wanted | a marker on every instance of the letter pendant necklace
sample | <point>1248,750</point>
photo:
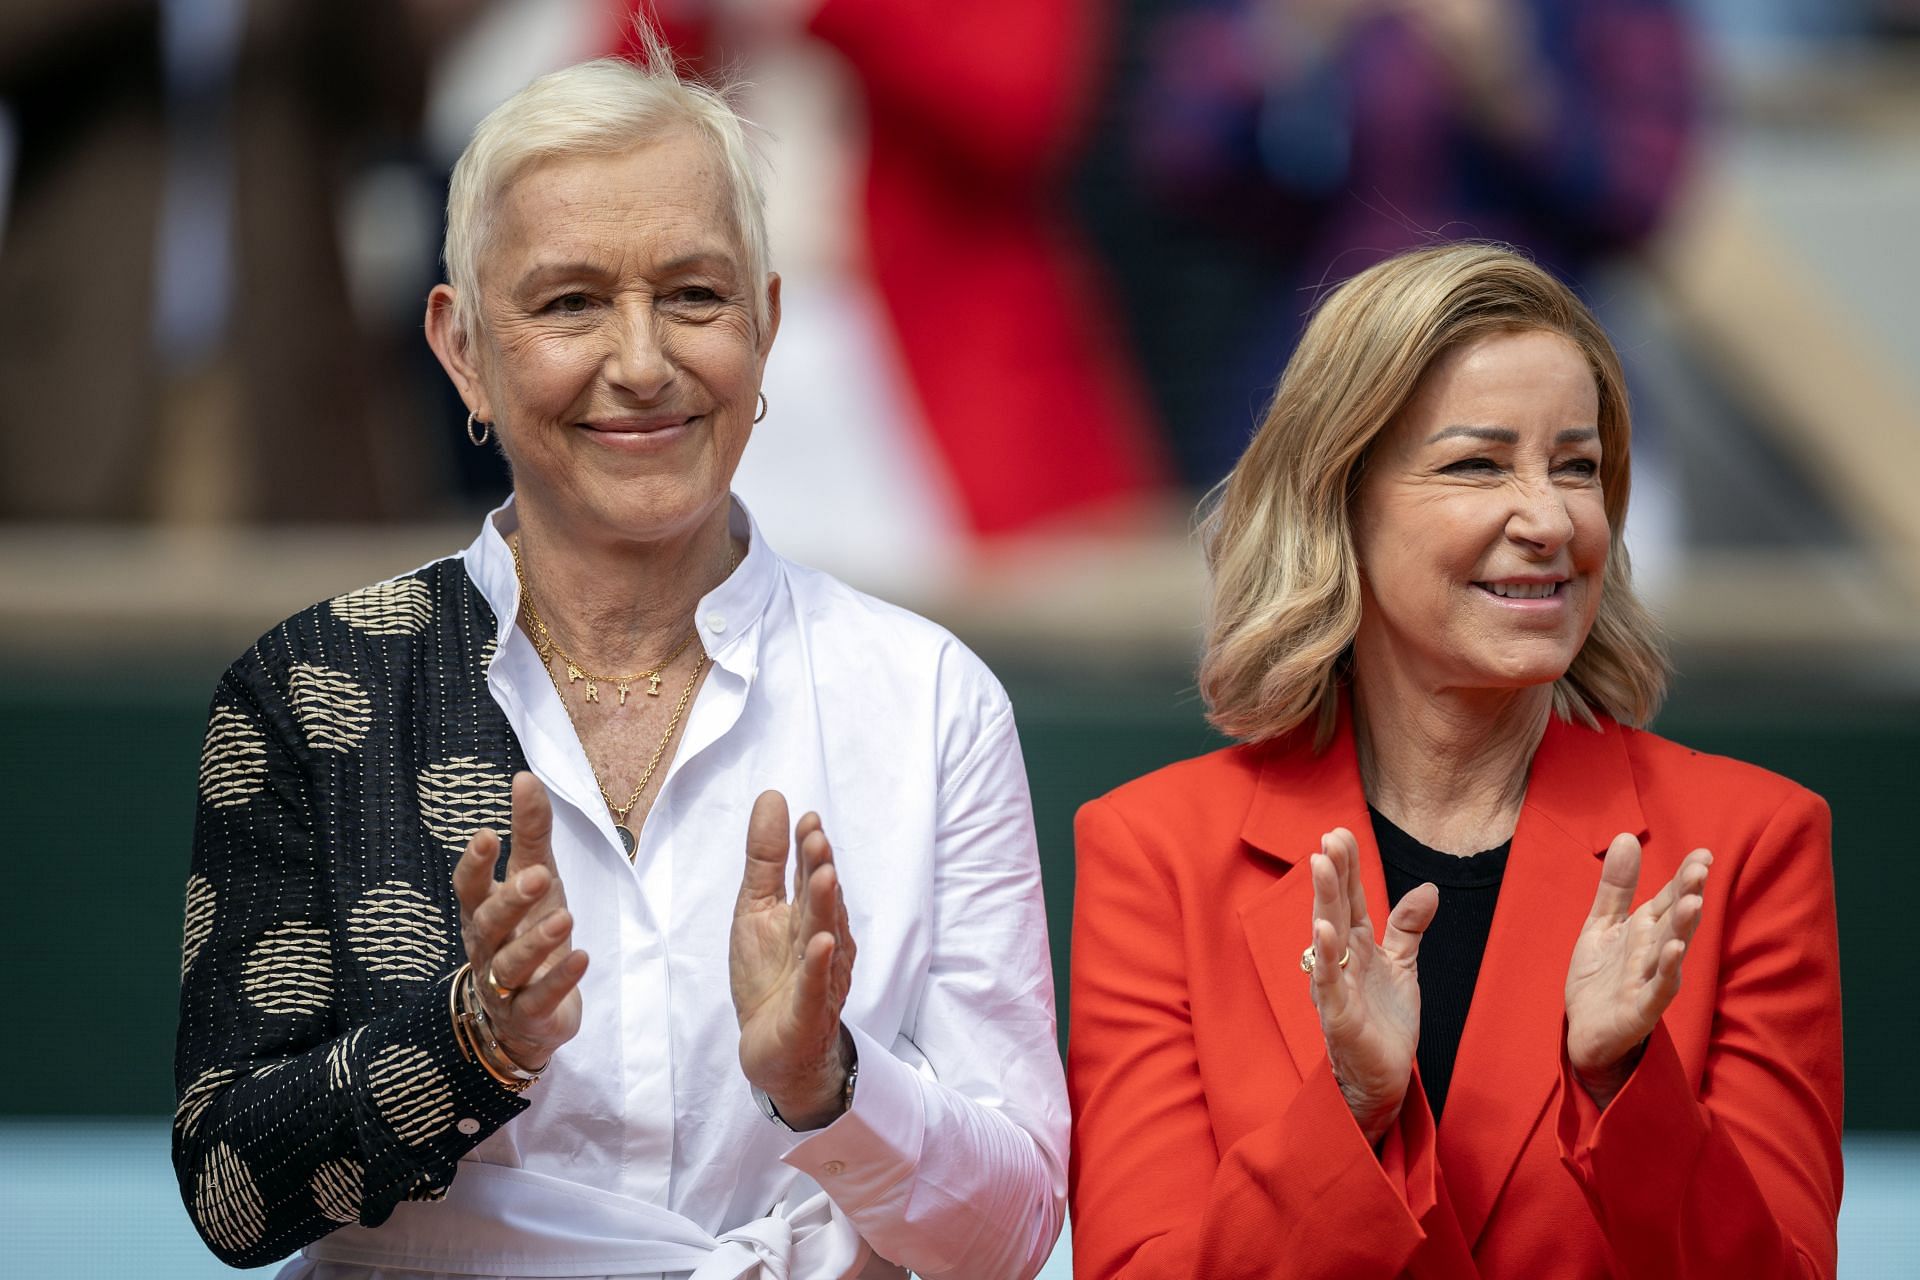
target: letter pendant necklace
<point>548,649</point>
<point>544,645</point>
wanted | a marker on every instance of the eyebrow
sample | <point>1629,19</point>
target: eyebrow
<point>542,272</point>
<point>1506,435</point>
<point>580,269</point>
<point>714,257</point>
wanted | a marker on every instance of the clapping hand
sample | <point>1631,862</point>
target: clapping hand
<point>1626,965</point>
<point>1368,995</point>
<point>519,933</point>
<point>791,965</point>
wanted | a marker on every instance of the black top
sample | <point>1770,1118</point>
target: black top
<point>1454,943</point>
<point>348,755</point>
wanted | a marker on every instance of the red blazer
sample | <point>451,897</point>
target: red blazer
<point>1211,1141</point>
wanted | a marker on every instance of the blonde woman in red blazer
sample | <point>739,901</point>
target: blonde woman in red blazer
<point>1423,626</point>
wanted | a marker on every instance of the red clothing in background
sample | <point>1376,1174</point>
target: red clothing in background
<point>973,113</point>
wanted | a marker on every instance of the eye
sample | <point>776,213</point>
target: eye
<point>570,303</point>
<point>695,299</point>
<point>1585,468</point>
<point>1471,466</point>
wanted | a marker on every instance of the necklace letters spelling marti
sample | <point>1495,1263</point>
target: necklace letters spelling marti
<point>548,650</point>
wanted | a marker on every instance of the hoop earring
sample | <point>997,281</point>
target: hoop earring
<point>481,436</point>
<point>763,407</point>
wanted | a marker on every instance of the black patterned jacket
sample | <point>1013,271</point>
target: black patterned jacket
<point>348,757</point>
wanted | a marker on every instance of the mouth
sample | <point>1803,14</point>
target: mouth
<point>649,426</point>
<point>641,436</point>
<point>1524,590</point>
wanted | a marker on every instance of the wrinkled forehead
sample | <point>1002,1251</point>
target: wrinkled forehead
<point>664,198</point>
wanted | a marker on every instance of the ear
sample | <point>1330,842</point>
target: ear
<point>454,349</point>
<point>772,325</point>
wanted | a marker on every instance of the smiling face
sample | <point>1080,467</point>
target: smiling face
<point>617,354</point>
<point>1479,522</point>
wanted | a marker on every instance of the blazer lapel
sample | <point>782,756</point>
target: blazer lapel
<point>1302,795</point>
<point>1580,795</point>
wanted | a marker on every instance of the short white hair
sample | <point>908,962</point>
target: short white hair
<point>604,107</point>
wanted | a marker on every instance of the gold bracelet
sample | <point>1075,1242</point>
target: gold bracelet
<point>473,1034</point>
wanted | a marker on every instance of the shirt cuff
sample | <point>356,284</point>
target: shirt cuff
<point>860,1156</point>
<point>422,1105</point>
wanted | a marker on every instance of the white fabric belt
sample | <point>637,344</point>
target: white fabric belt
<point>498,1221</point>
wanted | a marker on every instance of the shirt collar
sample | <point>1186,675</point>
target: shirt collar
<point>728,617</point>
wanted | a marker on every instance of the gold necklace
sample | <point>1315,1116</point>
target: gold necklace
<point>629,840</point>
<point>549,648</point>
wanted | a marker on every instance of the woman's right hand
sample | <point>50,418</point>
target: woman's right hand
<point>1369,1008</point>
<point>519,933</point>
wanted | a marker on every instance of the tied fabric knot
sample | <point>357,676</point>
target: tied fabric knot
<point>791,1243</point>
<point>761,1250</point>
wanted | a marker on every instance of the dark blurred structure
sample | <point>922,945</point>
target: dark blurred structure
<point>1292,143</point>
<point>178,339</point>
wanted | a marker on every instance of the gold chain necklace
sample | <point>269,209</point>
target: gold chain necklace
<point>629,840</point>
<point>548,649</point>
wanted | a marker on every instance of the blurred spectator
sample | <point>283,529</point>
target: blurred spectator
<point>81,80</point>
<point>177,336</point>
<point>949,371</point>
<point>1334,133</point>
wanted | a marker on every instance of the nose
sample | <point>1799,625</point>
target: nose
<point>1540,519</point>
<point>638,361</point>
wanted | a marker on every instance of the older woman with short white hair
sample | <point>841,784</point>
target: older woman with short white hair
<point>424,804</point>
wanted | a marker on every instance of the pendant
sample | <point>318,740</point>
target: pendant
<point>628,841</point>
<point>653,684</point>
<point>623,691</point>
<point>574,673</point>
<point>593,690</point>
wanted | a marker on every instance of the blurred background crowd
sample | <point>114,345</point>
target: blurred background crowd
<point>1043,260</point>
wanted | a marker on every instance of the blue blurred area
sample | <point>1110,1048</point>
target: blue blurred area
<point>86,1198</point>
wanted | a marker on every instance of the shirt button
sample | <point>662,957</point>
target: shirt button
<point>716,623</point>
<point>468,1126</point>
<point>833,1167</point>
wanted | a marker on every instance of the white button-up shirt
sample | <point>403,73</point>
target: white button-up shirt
<point>952,1160</point>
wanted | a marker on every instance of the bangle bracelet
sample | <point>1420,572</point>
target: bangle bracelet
<point>474,1036</point>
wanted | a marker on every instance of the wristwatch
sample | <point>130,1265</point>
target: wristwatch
<point>771,1112</point>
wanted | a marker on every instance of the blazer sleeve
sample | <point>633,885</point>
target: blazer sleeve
<point>1151,1193</point>
<point>1738,1173</point>
<point>293,1117</point>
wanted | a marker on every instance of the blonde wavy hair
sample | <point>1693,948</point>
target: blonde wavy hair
<point>1285,599</point>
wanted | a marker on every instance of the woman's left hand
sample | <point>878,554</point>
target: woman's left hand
<point>791,965</point>
<point>1626,965</point>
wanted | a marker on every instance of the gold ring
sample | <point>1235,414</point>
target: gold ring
<point>500,989</point>
<point>1307,959</point>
